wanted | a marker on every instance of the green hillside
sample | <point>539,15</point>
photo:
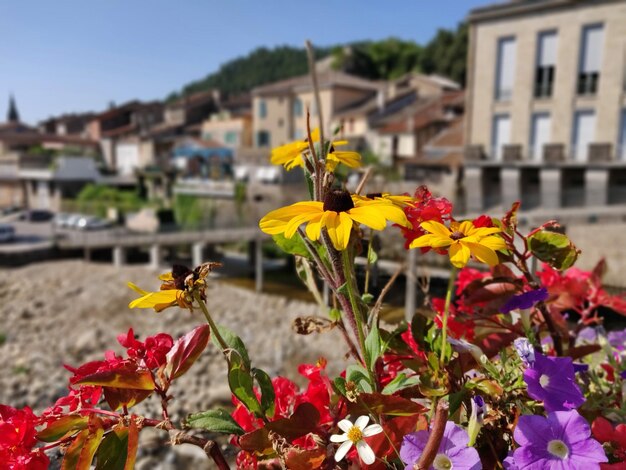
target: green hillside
<point>444,54</point>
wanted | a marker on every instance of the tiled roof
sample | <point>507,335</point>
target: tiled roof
<point>325,80</point>
<point>34,138</point>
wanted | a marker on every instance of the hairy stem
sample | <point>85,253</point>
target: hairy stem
<point>211,323</point>
<point>434,439</point>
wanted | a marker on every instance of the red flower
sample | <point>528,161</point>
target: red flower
<point>603,431</point>
<point>18,436</point>
<point>426,207</point>
<point>152,352</point>
<point>456,328</point>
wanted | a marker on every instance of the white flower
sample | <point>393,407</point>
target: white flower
<point>354,434</point>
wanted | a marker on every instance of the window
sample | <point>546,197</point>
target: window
<point>539,134</point>
<point>501,135</point>
<point>262,139</point>
<point>621,150</point>
<point>297,107</point>
<point>262,109</point>
<point>298,134</point>
<point>230,137</point>
<point>505,71</point>
<point>584,132</point>
<point>546,64</point>
<point>590,59</point>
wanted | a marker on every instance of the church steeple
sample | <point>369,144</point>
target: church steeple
<point>13,115</point>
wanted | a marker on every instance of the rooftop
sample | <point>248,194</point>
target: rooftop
<point>523,7</point>
<point>328,79</point>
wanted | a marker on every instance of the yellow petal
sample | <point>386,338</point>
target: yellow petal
<point>467,228</point>
<point>494,242</point>
<point>314,228</point>
<point>277,221</point>
<point>485,231</point>
<point>152,299</point>
<point>344,229</point>
<point>459,254</point>
<point>372,218</point>
<point>482,253</point>
<point>435,227</point>
<point>166,277</point>
<point>137,289</point>
<point>432,240</point>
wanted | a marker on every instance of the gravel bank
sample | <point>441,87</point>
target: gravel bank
<point>70,312</point>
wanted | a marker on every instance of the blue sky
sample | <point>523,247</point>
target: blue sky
<point>78,55</point>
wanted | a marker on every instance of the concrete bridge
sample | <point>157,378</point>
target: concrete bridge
<point>120,241</point>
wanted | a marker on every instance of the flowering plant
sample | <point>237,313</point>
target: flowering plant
<point>511,369</point>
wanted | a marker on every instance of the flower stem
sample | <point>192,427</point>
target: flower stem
<point>356,311</point>
<point>446,313</point>
<point>434,439</point>
<point>211,323</point>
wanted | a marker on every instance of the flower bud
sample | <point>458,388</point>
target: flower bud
<point>525,351</point>
<point>476,419</point>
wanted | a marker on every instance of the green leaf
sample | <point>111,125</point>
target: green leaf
<point>340,385</point>
<point>372,256</point>
<point>111,454</point>
<point>373,348</point>
<point>293,246</point>
<point>553,248</point>
<point>401,381</point>
<point>218,420</point>
<point>241,385</point>
<point>456,399</point>
<point>367,298</point>
<point>343,289</point>
<point>268,397</point>
<point>377,403</point>
<point>334,314</point>
<point>235,343</point>
<point>359,375</point>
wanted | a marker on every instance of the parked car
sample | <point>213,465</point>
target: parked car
<point>64,220</point>
<point>7,233</point>
<point>92,223</point>
<point>37,215</point>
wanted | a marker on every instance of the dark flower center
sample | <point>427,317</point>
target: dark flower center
<point>338,200</point>
<point>373,195</point>
<point>180,273</point>
<point>456,235</point>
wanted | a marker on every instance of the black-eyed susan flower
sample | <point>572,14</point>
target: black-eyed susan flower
<point>347,157</point>
<point>177,288</point>
<point>290,155</point>
<point>399,200</point>
<point>337,214</point>
<point>462,239</point>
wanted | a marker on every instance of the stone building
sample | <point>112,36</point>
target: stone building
<point>546,104</point>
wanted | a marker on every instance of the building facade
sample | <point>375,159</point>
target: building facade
<point>546,105</point>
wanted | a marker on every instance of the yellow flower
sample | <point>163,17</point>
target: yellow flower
<point>400,201</point>
<point>177,288</point>
<point>338,214</point>
<point>463,240</point>
<point>290,155</point>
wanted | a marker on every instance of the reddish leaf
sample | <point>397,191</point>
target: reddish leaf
<point>377,403</point>
<point>582,351</point>
<point>297,459</point>
<point>488,290</point>
<point>72,454</point>
<point>59,428</point>
<point>186,350</point>
<point>89,449</point>
<point>126,377</point>
<point>133,443</point>
<point>303,421</point>
<point>119,397</point>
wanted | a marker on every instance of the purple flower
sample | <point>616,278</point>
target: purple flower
<point>525,351</point>
<point>623,374</point>
<point>617,339</point>
<point>560,441</point>
<point>509,462</point>
<point>524,300</point>
<point>453,451</point>
<point>587,335</point>
<point>580,367</point>
<point>552,380</point>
